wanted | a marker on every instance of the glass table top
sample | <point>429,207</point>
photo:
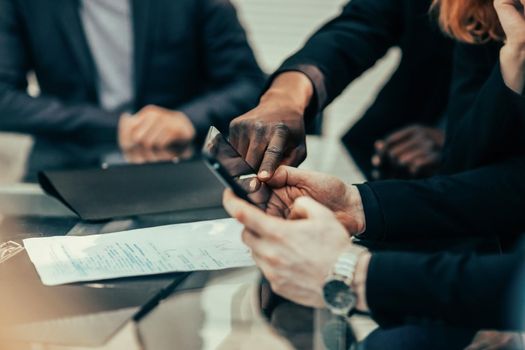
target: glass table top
<point>231,309</point>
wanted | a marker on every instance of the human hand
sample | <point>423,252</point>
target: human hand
<point>512,56</point>
<point>288,184</point>
<point>512,18</point>
<point>155,127</point>
<point>295,256</point>
<point>494,340</point>
<point>273,133</point>
<point>415,150</point>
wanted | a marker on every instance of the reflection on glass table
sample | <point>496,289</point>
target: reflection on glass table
<point>51,155</point>
<point>234,309</point>
<point>219,310</point>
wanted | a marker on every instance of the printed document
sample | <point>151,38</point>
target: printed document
<point>206,245</point>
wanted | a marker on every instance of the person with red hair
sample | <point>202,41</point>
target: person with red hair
<point>433,301</point>
<point>487,112</point>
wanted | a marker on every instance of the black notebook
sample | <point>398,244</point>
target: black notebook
<point>135,190</point>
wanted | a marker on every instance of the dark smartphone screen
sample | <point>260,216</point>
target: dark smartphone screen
<point>229,166</point>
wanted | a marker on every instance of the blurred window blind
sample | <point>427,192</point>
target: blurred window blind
<point>279,27</point>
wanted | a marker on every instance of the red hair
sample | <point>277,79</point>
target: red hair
<point>471,21</point>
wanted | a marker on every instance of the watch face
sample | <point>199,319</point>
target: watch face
<point>339,296</point>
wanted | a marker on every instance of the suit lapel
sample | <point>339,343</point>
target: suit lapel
<point>70,23</point>
<point>141,10</point>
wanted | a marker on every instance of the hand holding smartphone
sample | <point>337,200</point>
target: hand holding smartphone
<point>233,171</point>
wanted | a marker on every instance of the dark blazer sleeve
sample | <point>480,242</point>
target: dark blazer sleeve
<point>463,290</point>
<point>237,80</point>
<point>486,118</point>
<point>43,115</point>
<point>481,202</point>
<point>348,45</point>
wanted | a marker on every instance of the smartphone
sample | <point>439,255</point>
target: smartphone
<point>233,171</point>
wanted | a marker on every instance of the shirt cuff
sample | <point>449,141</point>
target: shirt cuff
<point>375,222</point>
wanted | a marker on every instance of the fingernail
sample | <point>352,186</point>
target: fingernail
<point>253,185</point>
<point>379,145</point>
<point>376,160</point>
<point>264,174</point>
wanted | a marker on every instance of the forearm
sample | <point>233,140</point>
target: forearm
<point>512,61</point>
<point>462,290</point>
<point>447,206</point>
<point>348,45</point>
<point>293,89</point>
<point>45,116</point>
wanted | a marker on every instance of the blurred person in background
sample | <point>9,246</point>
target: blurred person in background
<point>146,73</point>
<point>402,134</point>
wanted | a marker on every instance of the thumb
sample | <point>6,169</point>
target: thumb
<point>308,208</point>
<point>287,176</point>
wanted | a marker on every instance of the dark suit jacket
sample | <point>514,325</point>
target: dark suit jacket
<point>464,290</point>
<point>353,42</point>
<point>190,55</point>
<point>487,121</point>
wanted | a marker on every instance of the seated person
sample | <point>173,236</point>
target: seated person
<point>155,73</point>
<point>401,135</point>
<point>414,151</point>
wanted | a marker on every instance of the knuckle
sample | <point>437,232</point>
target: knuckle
<point>150,108</point>
<point>278,284</point>
<point>149,143</point>
<point>241,216</point>
<point>273,259</point>
<point>235,124</point>
<point>274,151</point>
<point>245,237</point>
<point>259,128</point>
<point>271,276</point>
<point>281,129</point>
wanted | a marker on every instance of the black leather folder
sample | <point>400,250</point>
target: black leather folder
<point>135,190</point>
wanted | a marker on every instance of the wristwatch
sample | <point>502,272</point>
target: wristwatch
<point>338,295</point>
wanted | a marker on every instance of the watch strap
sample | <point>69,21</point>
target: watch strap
<point>346,265</point>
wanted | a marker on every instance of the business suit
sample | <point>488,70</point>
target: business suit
<point>190,55</point>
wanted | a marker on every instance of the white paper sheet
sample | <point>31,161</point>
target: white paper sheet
<point>206,245</point>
